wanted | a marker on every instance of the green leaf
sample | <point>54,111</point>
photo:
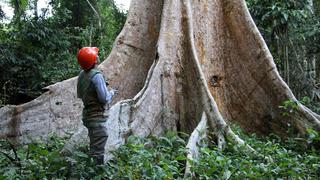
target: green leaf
<point>81,154</point>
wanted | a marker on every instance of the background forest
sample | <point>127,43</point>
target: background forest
<point>39,48</point>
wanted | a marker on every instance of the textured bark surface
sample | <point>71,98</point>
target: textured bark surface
<point>175,62</point>
<point>58,110</point>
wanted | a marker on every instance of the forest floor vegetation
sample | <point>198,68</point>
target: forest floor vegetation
<point>165,158</point>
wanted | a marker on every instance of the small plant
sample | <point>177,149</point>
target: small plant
<point>289,107</point>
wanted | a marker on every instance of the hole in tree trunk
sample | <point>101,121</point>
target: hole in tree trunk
<point>215,81</point>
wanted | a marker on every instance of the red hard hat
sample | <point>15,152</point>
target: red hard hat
<point>87,57</point>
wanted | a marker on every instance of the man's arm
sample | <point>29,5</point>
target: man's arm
<point>104,96</point>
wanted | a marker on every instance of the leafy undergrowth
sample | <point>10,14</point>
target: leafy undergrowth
<point>165,158</point>
<point>277,159</point>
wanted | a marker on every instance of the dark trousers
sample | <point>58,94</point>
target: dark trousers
<point>98,137</point>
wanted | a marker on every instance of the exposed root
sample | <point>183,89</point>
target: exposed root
<point>311,117</point>
<point>80,137</point>
<point>140,96</point>
<point>234,139</point>
<point>194,142</point>
<point>221,141</point>
<point>200,133</point>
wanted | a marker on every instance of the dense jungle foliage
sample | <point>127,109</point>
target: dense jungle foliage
<point>165,158</point>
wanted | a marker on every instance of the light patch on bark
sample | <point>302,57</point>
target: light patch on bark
<point>196,139</point>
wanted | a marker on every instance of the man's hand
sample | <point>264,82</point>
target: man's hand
<point>107,83</point>
<point>114,91</point>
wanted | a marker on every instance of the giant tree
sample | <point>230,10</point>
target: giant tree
<point>181,65</point>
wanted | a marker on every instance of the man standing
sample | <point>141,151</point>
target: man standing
<point>92,90</point>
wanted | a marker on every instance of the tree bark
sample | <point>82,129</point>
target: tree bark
<point>316,11</point>
<point>174,63</point>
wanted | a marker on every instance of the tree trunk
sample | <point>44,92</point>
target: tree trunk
<point>176,62</point>
<point>316,11</point>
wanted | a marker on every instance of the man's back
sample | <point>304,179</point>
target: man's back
<point>93,96</point>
